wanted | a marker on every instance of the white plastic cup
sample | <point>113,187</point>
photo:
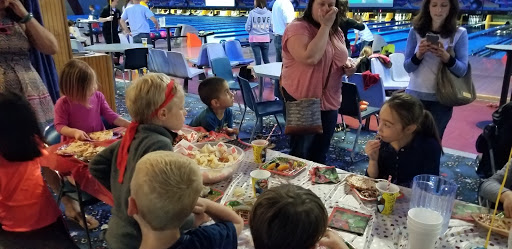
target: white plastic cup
<point>424,227</point>
<point>144,42</point>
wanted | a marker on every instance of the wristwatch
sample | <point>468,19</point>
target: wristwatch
<point>27,18</point>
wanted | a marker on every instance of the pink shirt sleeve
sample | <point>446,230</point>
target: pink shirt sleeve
<point>61,112</point>
<point>105,110</point>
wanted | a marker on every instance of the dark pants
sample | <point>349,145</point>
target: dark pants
<point>315,147</point>
<point>279,47</point>
<point>55,235</point>
<point>112,38</point>
<point>441,113</point>
<point>138,38</point>
<point>260,50</point>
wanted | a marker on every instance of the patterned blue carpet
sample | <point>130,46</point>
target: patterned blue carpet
<point>459,168</point>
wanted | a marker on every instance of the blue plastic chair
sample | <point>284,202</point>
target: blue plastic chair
<point>375,95</point>
<point>180,68</point>
<point>222,68</point>
<point>261,109</point>
<point>202,59</point>
<point>234,52</point>
<point>215,50</point>
<point>161,61</point>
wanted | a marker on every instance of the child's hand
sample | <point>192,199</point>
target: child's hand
<point>80,135</point>
<point>200,217</point>
<point>231,131</point>
<point>372,149</point>
<point>332,240</point>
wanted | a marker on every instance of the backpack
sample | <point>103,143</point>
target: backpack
<point>496,138</point>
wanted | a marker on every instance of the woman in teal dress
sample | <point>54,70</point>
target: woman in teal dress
<point>18,32</point>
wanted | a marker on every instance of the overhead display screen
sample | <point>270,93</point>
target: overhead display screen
<point>370,3</point>
<point>220,3</point>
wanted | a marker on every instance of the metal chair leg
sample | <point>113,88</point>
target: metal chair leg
<point>243,116</point>
<point>185,85</point>
<point>82,211</point>
<point>278,124</point>
<point>254,128</point>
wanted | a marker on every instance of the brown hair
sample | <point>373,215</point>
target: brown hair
<point>260,3</point>
<point>410,111</point>
<point>287,216</point>
<point>76,79</point>
<point>367,51</point>
<point>343,9</point>
<point>308,16</point>
<point>210,89</point>
<point>146,94</point>
<point>422,23</point>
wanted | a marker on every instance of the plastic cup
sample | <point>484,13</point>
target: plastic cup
<point>434,193</point>
<point>259,181</point>
<point>387,197</point>
<point>259,150</point>
<point>144,42</point>
<point>423,226</point>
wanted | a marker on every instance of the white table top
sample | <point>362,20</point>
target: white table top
<point>500,47</point>
<point>382,232</point>
<point>116,47</point>
<point>269,70</point>
<point>87,21</point>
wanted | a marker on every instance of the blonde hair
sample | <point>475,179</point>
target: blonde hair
<point>147,93</point>
<point>165,186</point>
<point>76,79</point>
<point>367,51</point>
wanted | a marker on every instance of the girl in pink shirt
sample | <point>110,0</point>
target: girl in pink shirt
<point>314,60</point>
<point>29,216</point>
<point>80,109</point>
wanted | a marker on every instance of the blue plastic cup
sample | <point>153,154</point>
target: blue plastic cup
<point>435,193</point>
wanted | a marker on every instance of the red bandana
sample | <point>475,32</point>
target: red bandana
<point>122,156</point>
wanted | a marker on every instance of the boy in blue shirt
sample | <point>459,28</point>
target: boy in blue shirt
<point>218,117</point>
<point>165,191</point>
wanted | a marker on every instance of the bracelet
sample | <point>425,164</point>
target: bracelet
<point>27,18</point>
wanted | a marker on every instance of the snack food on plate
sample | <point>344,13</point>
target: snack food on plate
<point>500,226</point>
<point>242,208</point>
<point>101,135</point>
<point>82,150</point>
<point>189,135</point>
<point>364,186</point>
<point>283,166</point>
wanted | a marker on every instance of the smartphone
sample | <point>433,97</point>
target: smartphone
<point>432,38</point>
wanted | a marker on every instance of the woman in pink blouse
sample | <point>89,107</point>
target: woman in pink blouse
<point>314,60</point>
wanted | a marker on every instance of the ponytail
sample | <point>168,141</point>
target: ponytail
<point>428,128</point>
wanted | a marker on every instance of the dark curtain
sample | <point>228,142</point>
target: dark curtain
<point>43,64</point>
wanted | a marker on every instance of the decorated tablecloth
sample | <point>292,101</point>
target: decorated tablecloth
<point>382,232</point>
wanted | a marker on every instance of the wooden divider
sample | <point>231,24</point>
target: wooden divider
<point>54,18</point>
<point>102,65</point>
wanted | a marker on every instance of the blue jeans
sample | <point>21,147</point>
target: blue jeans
<point>138,38</point>
<point>315,147</point>
<point>441,113</point>
<point>279,47</point>
<point>260,49</point>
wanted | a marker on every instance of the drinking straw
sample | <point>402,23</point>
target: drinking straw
<point>389,182</point>
<point>507,166</point>
<point>272,131</point>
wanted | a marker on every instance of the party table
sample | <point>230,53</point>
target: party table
<point>382,232</point>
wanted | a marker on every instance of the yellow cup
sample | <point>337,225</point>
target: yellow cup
<point>259,150</point>
<point>387,197</point>
<point>144,42</point>
<point>259,181</point>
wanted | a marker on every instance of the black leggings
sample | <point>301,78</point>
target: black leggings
<point>53,236</point>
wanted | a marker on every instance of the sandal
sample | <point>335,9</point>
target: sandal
<point>92,223</point>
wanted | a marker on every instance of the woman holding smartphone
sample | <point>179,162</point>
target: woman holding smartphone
<point>426,48</point>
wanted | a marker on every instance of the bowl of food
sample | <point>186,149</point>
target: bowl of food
<point>217,161</point>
